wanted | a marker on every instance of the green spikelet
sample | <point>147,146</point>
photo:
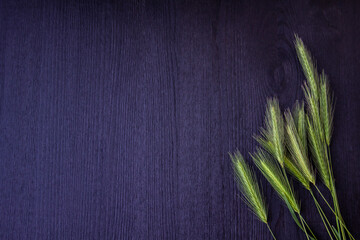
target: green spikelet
<point>318,151</point>
<point>313,111</point>
<point>308,66</point>
<point>297,149</point>
<point>300,121</point>
<point>326,107</point>
<point>272,136</point>
<point>294,170</point>
<point>272,172</point>
<point>249,187</point>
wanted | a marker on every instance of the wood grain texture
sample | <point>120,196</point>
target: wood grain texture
<point>116,119</point>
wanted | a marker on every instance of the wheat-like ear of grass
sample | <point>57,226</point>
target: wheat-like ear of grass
<point>300,122</point>
<point>272,136</point>
<point>297,149</point>
<point>273,174</point>
<point>313,108</point>
<point>249,187</point>
<point>326,107</point>
<point>319,153</point>
<point>289,165</point>
<point>308,66</point>
<point>294,170</point>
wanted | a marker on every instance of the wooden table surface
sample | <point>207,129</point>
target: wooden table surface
<point>116,119</point>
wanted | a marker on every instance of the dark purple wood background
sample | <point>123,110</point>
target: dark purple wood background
<point>116,119</point>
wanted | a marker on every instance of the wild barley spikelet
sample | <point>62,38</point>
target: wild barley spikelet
<point>249,187</point>
<point>308,66</point>
<point>318,151</point>
<point>272,136</point>
<point>273,174</point>
<point>326,107</point>
<point>294,170</point>
<point>300,122</point>
<point>297,150</point>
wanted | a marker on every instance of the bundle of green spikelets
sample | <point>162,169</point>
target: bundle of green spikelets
<point>291,143</point>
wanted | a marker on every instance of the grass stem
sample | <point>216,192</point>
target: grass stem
<point>334,196</point>
<point>332,210</point>
<point>322,215</point>
<point>302,222</point>
<point>313,235</point>
<point>272,234</point>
